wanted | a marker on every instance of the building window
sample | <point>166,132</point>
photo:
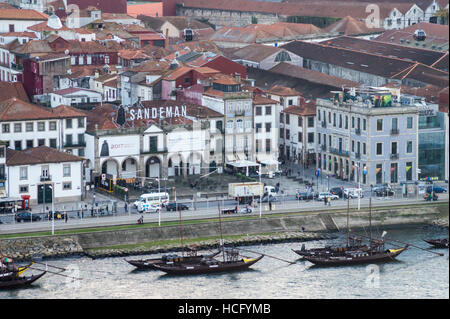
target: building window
<point>68,123</point>
<point>17,127</point>
<point>153,144</point>
<point>300,121</point>
<point>24,173</point>
<point>409,171</point>
<point>394,123</point>
<point>288,136</point>
<point>258,127</point>
<point>23,189</point>
<point>379,148</point>
<point>52,126</point>
<point>267,145</point>
<point>310,121</point>
<point>379,125</point>
<point>409,147</point>
<point>18,145</point>
<point>53,142</point>
<point>67,186</point>
<point>30,144</point>
<point>268,127</point>
<point>340,120</point>
<point>81,152</point>
<point>409,122</point>
<point>66,170</point>
<point>353,122</point>
<point>300,137</point>
<point>379,173</point>
<point>364,124</point>
<point>394,148</point>
<point>29,127</point>
<point>394,173</point>
<point>41,142</point>
<point>69,140</point>
<point>310,137</point>
<point>41,126</point>
<point>287,118</point>
<point>258,110</point>
<point>5,128</point>
<point>364,148</point>
<point>268,110</point>
<point>282,56</point>
<point>346,122</point>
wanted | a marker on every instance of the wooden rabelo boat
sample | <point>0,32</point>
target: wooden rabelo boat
<point>12,270</point>
<point>149,264</point>
<point>356,245</point>
<point>375,253</point>
<point>438,243</point>
<point>232,262</point>
<point>19,282</point>
<point>355,257</point>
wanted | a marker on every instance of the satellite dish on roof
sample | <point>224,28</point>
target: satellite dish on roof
<point>420,35</point>
<point>66,52</point>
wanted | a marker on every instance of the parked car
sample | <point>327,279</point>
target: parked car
<point>26,217</point>
<point>323,195</point>
<point>305,195</point>
<point>175,206</point>
<point>383,190</point>
<point>58,215</point>
<point>337,191</point>
<point>436,189</point>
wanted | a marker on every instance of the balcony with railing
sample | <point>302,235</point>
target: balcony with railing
<point>324,124</point>
<point>358,155</point>
<point>358,131</point>
<point>340,152</point>
<point>75,144</point>
<point>17,67</point>
<point>324,148</point>
<point>46,178</point>
<point>395,131</point>
<point>394,156</point>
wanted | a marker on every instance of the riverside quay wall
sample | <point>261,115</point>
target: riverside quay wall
<point>315,225</point>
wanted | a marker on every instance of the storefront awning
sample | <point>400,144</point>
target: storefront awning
<point>243,163</point>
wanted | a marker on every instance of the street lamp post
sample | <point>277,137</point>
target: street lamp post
<point>260,197</point>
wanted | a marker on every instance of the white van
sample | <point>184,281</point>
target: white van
<point>151,202</point>
<point>353,192</point>
<point>270,190</point>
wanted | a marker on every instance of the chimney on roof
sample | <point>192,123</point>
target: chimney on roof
<point>166,41</point>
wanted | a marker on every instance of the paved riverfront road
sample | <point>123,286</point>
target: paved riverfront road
<point>201,213</point>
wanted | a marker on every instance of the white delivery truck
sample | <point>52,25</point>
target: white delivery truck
<point>245,193</point>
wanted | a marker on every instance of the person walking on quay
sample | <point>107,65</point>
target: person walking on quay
<point>329,201</point>
<point>270,205</point>
<point>66,217</point>
<point>325,201</point>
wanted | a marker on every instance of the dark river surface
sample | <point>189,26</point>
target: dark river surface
<point>415,274</point>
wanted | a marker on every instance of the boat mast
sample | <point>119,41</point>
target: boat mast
<point>221,235</point>
<point>348,214</point>
<point>370,216</point>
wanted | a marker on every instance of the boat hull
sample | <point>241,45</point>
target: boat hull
<point>20,282</point>
<point>149,264</point>
<point>438,243</point>
<point>357,259</point>
<point>200,268</point>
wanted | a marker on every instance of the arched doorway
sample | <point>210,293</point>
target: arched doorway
<point>194,164</point>
<point>111,167</point>
<point>153,167</point>
<point>129,168</point>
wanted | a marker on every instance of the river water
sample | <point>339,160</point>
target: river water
<point>415,274</point>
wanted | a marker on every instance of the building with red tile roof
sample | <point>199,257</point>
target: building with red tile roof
<point>108,6</point>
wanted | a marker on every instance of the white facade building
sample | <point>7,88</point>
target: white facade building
<point>30,171</point>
